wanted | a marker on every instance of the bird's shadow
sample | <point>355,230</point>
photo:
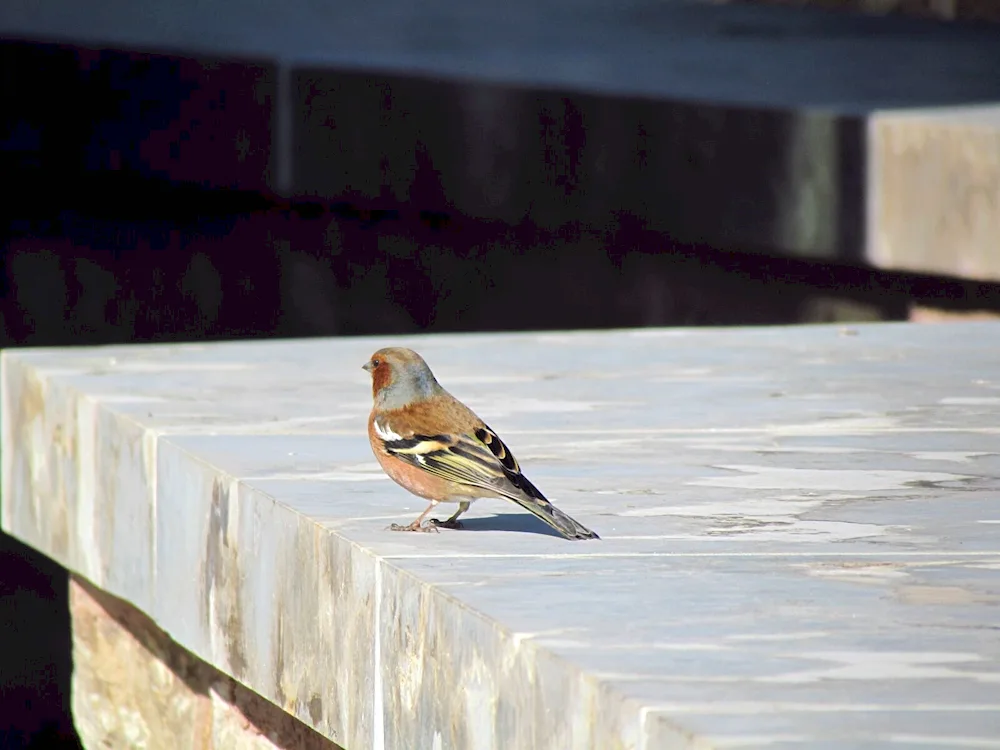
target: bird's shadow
<point>519,522</point>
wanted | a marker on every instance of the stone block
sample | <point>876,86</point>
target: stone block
<point>738,126</point>
<point>135,687</point>
<point>935,191</point>
<point>797,524</point>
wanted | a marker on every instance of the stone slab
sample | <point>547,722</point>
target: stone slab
<point>799,532</point>
<point>935,191</point>
<point>744,54</point>
<point>737,126</point>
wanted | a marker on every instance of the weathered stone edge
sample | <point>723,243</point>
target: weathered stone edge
<point>355,647</point>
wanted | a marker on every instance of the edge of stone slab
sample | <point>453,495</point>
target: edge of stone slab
<point>933,188</point>
<point>242,631</point>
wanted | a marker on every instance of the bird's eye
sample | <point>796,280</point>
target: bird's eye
<point>376,362</point>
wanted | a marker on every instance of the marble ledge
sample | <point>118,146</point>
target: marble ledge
<point>799,532</point>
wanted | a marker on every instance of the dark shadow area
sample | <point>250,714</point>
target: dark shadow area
<point>73,113</point>
<point>714,175</point>
<point>35,661</point>
<point>306,270</point>
<point>522,523</point>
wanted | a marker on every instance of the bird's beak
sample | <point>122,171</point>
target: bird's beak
<point>367,366</point>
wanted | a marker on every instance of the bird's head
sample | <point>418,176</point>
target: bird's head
<point>400,377</point>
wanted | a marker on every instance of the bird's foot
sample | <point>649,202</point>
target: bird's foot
<point>414,527</point>
<point>448,524</point>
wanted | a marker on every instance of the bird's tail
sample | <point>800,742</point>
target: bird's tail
<point>566,525</point>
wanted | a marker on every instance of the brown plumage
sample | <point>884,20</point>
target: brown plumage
<point>433,445</point>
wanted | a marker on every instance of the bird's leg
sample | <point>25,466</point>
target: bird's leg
<point>453,522</point>
<point>416,525</point>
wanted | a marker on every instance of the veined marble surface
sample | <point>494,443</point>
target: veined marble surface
<point>801,532</point>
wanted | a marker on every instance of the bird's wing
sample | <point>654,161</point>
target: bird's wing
<point>479,459</point>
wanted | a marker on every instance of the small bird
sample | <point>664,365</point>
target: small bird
<point>433,445</point>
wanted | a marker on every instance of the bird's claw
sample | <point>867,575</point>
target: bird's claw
<point>449,524</point>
